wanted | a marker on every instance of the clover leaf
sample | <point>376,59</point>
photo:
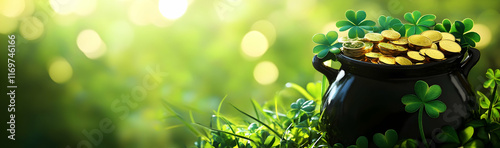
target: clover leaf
<point>418,24</point>
<point>493,77</point>
<point>327,43</point>
<point>444,26</point>
<point>386,141</point>
<point>425,99</point>
<point>389,22</point>
<point>460,29</point>
<point>484,103</point>
<point>409,143</point>
<point>301,107</point>
<point>356,24</point>
<point>361,142</point>
<point>449,136</point>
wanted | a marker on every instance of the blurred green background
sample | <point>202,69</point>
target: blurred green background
<point>79,63</point>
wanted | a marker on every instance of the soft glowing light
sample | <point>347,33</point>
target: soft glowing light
<point>485,34</point>
<point>254,44</point>
<point>265,73</point>
<point>172,9</point>
<point>333,27</point>
<point>64,7</point>
<point>85,7</point>
<point>266,28</point>
<point>31,28</point>
<point>60,70</point>
<point>8,24</point>
<point>90,44</point>
<point>12,8</point>
<point>140,11</point>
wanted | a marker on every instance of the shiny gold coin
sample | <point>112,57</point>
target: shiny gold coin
<point>422,51</point>
<point>387,48</point>
<point>434,46</point>
<point>401,41</point>
<point>419,63</point>
<point>420,40</point>
<point>390,35</point>
<point>401,48</point>
<point>434,54</point>
<point>387,60</point>
<point>415,56</point>
<point>447,36</point>
<point>344,39</point>
<point>373,55</point>
<point>433,35</point>
<point>374,37</point>
<point>449,46</point>
<point>403,61</point>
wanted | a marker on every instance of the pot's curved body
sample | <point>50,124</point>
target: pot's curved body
<point>364,98</point>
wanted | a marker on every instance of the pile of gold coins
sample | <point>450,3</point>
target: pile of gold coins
<point>388,47</point>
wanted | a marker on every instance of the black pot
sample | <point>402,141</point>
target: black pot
<point>365,98</point>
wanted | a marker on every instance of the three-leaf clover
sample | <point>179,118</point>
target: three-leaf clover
<point>451,139</point>
<point>356,24</point>
<point>460,30</point>
<point>389,22</point>
<point>493,77</point>
<point>484,103</point>
<point>418,24</point>
<point>327,43</point>
<point>300,107</point>
<point>425,99</point>
<point>444,26</point>
<point>386,141</point>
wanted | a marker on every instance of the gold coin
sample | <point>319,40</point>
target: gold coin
<point>387,60</point>
<point>433,35</point>
<point>400,41</point>
<point>434,46</point>
<point>447,36</point>
<point>373,55</point>
<point>419,63</point>
<point>387,48</point>
<point>449,46</point>
<point>422,51</point>
<point>420,40</point>
<point>391,34</point>
<point>400,48</point>
<point>344,39</point>
<point>403,61</point>
<point>374,37</point>
<point>434,54</point>
<point>415,55</point>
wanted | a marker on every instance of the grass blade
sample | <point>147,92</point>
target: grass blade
<point>276,133</point>
<point>218,111</point>
<point>190,127</point>
<point>300,90</point>
<point>254,104</point>
<point>173,126</point>
<point>236,135</point>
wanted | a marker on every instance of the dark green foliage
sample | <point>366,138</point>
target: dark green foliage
<point>327,43</point>
<point>356,24</point>
<point>461,31</point>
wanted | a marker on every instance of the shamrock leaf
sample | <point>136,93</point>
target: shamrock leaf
<point>327,43</point>
<point>424,99</point>
<point>466,134</point>
<point>418,24</point>
<point>484,103</point>
<point>386,141</point>
<point>361,142</point>
<point>389,22</point>
<point>493,77</point>
<point>448,135</point>
<point>460,29</point>
<point>356,24</point>
<point>301,107</point>
<point>445,26</point>
<point>409,143</point>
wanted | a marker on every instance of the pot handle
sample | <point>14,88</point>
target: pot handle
<point>329,72</point>
<point>470,61</point>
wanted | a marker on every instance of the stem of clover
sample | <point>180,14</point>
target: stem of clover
<point>492,101</point>
<point>421,126</point>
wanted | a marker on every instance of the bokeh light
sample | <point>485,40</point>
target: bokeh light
<point>265,73</point>
<point>90,43</point>
<point>12,8</point>
<point>172,9</point>
<point>267,28</point>
<point>485,34</point>
<point>254,44</point>
<point>31,28</point>
<point>64,7</point>
<point>60,70</point>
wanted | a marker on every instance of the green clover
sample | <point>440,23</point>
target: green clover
<point>444,26</point>
<point>301,107</point>
<point>356,24</point>
<point>418,24</point>
<point>327,43</point>
<point>389,22</point>
<point>493,77</point>
<point>460,30</point>
<point>386,141</point>
<point>425,99</point>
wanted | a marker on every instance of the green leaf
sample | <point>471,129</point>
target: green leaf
<point>322,54</point>
<point>435,107</point>
<point>335,50</point>
<point>356,32</point>
<point>338,145</point>
<point>320,38</point>
<point>433,93</point>
<point>367,23</point>
<point>351,16</point>
<point>421,88</point>
<point>427,20</point>
<point>474,144</point>
<point>331,37</point>
<point>445,26</point>
<point>458,27</point>
<point>497,73</point>
<point>473,36</point>
<point>386,141</point>
<point>489,83</point>
<point>409,143</point>
<point>344,25</point>
<point>466,134</point>
<point>448,135</point>
<point>412,17</point>
<point>412,102</point>
<point>484,102</point>
<point>490,74</point>
<point>495,113</point>
<point>468,24</point>
<point>319,48</point>
<point>362,142</point>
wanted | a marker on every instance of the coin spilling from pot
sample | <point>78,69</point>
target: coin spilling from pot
<point>388,47</point>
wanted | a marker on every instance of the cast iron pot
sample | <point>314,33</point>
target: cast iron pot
<point>365,98</point>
